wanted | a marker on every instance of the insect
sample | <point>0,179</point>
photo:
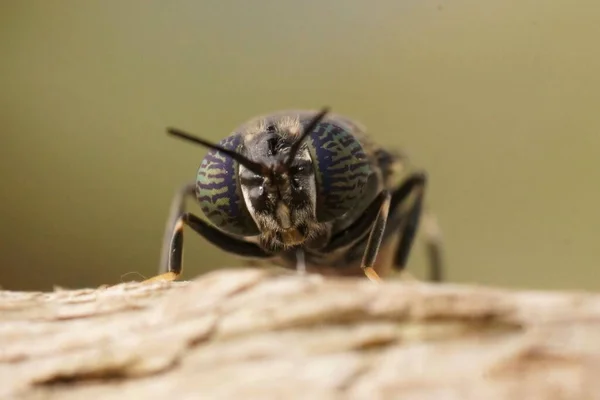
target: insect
<point>305,190</point>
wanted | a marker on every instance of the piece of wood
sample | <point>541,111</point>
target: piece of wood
<point>258,334</point>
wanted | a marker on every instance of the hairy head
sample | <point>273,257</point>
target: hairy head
<point>275,182</point>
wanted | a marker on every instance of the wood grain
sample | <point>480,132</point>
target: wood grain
<point>248,333</point>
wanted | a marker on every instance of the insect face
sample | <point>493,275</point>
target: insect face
<point>261,183</point>
<point>282,203</point>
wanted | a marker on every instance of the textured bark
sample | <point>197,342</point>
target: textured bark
<point>263,334</point>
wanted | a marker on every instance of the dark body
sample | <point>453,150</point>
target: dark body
<point>346,202</point>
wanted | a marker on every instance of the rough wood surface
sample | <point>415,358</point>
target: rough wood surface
<point>256,334</point>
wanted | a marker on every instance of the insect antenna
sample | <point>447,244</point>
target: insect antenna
<point>253,166</point>
<point>307,131</point>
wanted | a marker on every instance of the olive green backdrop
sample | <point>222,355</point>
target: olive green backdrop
<point>498,100</point>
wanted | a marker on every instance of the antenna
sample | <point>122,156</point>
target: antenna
<point>253,166</point>
<point>257,168</point>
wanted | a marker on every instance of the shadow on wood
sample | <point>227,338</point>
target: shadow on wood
<point>262,334</point>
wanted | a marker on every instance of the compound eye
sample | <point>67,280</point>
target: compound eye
<point>342,170</point>
<point>219,193</point>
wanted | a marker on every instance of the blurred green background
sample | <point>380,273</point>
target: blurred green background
<point>497,100</point>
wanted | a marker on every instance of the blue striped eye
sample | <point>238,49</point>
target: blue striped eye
<point>342,170</point>
<point>219,192</point>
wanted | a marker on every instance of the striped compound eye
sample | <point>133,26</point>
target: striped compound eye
<point>342,170</point>
<point>219,192</point>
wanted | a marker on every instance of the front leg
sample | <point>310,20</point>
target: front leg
<point>172,252</point>
<point>176,211</point>
<point>372,220</point>
<point>375,238</point>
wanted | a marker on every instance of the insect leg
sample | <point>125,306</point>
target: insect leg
<point>415,186</point>
<point>435,246</point>
<point>172,246</point>
<point>375,238</point>
<point>355,231</point>
<point>375,217</point>
<point>172,252</point>
<point>223,241</point>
